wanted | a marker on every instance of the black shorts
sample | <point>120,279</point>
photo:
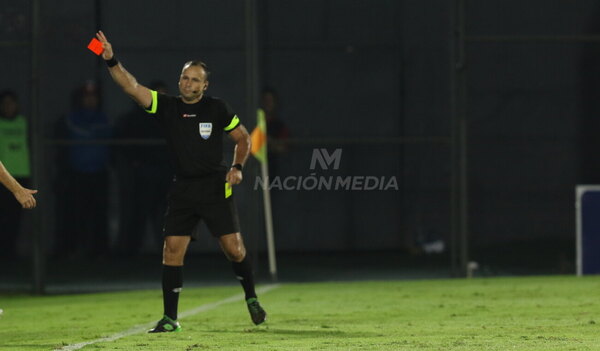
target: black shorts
<point>209,199</point>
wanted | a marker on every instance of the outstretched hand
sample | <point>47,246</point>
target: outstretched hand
<point>107,54</point>
<point>25,197</point>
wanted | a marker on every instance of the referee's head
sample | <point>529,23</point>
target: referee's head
<point>193,81</point>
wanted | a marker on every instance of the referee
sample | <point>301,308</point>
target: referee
<point>193,125</point>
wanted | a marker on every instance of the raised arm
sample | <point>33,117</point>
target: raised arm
<point>124,79</point>
<point>23,195</point>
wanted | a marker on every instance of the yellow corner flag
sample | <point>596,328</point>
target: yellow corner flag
<point>259,137</point>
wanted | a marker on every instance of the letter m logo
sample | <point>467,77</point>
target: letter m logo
<point>325,160</point>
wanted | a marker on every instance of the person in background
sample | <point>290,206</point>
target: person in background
<point>144,178</point>
<point>83,184</point>
<point>14,153</point>
<point>277,131</point>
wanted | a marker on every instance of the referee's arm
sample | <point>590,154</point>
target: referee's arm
<point>124,79</point>
<point>240,153</point>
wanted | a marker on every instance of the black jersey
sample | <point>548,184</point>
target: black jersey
<point>194,132</point>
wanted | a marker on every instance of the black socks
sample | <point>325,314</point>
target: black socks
<point>243,272</point>
<point>172,282</point>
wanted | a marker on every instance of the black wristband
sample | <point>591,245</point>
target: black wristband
<point>112,62</point>
<point>238,166</point>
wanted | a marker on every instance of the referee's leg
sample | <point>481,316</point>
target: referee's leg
<point>233,247</point>
<point>174,251</point>
<point>235,251</point>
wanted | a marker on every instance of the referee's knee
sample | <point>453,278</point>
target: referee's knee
<point>173,256</point>
<point>236,255</point>
<point>172,260</point>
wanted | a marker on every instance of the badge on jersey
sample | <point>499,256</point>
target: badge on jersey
<point>205,130</point>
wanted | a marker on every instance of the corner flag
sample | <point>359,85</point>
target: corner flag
<point>259,137</point>
<point>259,150</point>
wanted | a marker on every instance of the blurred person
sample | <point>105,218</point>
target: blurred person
<point>144,178</point>
<point>83,183</point>
<point>14,153</point>
<point>194,124</point>
<point>277,131</point>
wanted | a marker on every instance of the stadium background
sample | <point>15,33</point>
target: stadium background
<point>377,79</point>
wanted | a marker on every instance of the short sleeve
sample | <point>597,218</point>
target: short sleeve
<point>230,118</point>
<point>161,105</point>
<point>154,105</point>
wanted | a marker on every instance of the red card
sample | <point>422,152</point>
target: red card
<point>96,46</point>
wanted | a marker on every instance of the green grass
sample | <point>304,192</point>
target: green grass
<point>542,313</point>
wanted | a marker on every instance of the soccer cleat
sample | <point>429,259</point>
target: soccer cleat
<point>257,313</point>
<point>166,325</point>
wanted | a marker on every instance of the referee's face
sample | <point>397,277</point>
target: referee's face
<point>192,83</point>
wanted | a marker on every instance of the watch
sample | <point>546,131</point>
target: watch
<point>238,166</point>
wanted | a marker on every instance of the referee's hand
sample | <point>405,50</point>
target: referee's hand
<point>234,176</point>
<point>107,54</point>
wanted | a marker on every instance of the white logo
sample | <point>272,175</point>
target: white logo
<point>325,160</point>
<point>205,130</point>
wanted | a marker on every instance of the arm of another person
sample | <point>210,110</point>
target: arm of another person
<point>23,195</point>
<point>240,153</point>
<point>124,79</point>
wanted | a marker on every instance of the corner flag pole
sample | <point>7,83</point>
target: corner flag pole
<point>264,167</point>
<point>259,134</point>
<point>259,150</point>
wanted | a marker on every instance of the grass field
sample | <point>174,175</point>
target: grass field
<point>539,313</point>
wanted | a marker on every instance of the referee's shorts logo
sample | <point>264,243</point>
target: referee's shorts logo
<point>205,130</point>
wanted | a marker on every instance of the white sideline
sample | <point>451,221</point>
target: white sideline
<point>144,327</point>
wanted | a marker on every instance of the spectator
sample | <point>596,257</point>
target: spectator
<point>144,178</point>
<point>83,185</point>
<point>277,132</point>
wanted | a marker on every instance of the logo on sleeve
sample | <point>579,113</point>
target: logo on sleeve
<point>205,130</point>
